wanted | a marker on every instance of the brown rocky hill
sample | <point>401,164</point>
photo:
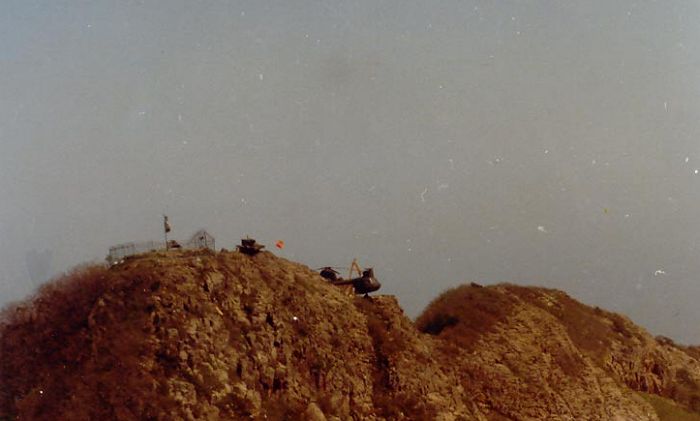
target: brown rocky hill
<point>197,335</point>
<point>538,331</point>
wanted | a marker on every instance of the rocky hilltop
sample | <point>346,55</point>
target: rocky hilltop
<point>198,335</point>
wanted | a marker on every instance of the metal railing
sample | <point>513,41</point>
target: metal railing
<point>201,239</point>
<point>120,251</point>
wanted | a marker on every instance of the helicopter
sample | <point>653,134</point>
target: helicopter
<point>363,284</point>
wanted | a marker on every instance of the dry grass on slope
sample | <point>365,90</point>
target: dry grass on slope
<point>186,335</point>
<point>33,334</point>
<point>667,410</point>
<point>463,314</point>
<point>611,341</point>
<point>592,329</point>
<point>646,364</point>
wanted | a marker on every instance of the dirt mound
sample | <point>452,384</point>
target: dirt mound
<point>189,335</point>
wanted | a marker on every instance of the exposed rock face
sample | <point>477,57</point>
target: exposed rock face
<point>557,355</point>
<point>194,335</point>
<point>226,336</point>
<point>522,364</point>
<point>411,378</point>
<point>626,351</point>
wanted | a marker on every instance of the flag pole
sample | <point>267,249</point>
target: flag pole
<point>166,229</point>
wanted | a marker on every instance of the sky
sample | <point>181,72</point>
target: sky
<point>550,143</point>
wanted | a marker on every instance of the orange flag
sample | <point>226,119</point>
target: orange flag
<point>279,244</point>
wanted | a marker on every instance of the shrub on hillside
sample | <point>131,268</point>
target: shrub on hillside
<point>34,335</point>
<point>464,313</point>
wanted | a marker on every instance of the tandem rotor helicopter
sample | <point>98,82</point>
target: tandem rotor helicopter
<point>363,284</point>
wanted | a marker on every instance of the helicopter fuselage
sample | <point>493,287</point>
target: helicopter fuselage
<point>362,285</point>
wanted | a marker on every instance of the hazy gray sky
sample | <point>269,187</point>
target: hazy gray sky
<point>537,142</point>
